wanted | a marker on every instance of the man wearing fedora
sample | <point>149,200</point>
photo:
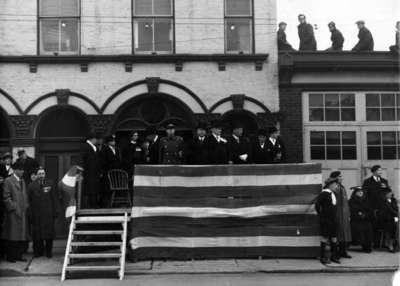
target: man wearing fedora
<point>171,147</point>
<point>216,145</point>
<point>259,149</point>
<point>239,147</point>
<point>197,153</point>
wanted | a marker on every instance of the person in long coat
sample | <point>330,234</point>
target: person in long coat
<point>29,164</point>
<point>388,216</point>
<point>343,215</point>
<point>337,38</point>
<point>216,145</point>
<point>239,146</point>
<point>259,149</point>
<point>15,224</point>
<point>275,147</point>
<point>283,44</point>
<point>365,39</point>
<point>197,153</point>
<point>154,146</point>
<point>306,35</point>
<point>361,219</point>
<point>44,203</point>
<point>374,187</point>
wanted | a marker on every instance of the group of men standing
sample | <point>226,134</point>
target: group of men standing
<point>29,206</point>
<point>308,42</point>
<point>207,147</point>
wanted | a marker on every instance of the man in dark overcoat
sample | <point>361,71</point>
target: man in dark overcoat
<point>375,187</point>
<point>216,145</point>
<point>337,38</point>
<point>366,41</point>
<point>133,153</point>
<point>275,147</point>
<point>16,203</point>
<point>29,164</point>
<point>259,149</point>
<point>306,35</point>
<point>197,153</point>
<point>44,203</point>
<point>90,161</point>
<point>283,44</point>
<point>153,149</point>
<point>239,146</point>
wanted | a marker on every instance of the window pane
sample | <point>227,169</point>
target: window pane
<point>238,7</point>
<point>349,152</point>
<point>162,7</point>
<point>347,100</point>
<point>372,100</point>
<point>398,99</point>
<point>49,35</point>
<point>332,138</point>
<point>69,8</point>
<point>388,138</point>
<point>333,152</point>
<point>163,35</point>
<point>388,114</point>
<point>315,100</point>
<point>317,153</point>
<point>238,33</point>
<point>373,114</point>
<point>398,113</point>
<point>69,35</point>
<point>348,138</point>
<point>374,153</point>
<point>332,114</point>
<point>388,99</point>
<point>143,35</point>
<point>59,8</point>
<point>316,114</point>
<point>389,152</point>
<point>332,100</point>
<point>317,138</point>
<point>348,114</point>
<point>143,7</point>
<point>373,138</point>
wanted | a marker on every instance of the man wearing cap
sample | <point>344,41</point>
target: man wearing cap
<point>171,147</point>
<point>374,187</point>
<point>366,41</point>
<point>342,215</point>
<point>259,149</point>
<point>239,147</point>
<point>15,224</point>
<point>283,44</point>
<point>29,164</point>
<point>306,35</point>
<point>197,153</point>
<point>216,145</point>
<point>337,38</point>
<point>275,147</point>
<point>90,162</point>
<point>153,148</point>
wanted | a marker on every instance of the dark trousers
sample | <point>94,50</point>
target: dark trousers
<point>39,247</point>
<point>90,201</point>
<point>14,249</point>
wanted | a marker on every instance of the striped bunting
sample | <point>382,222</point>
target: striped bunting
<point>225,211</point>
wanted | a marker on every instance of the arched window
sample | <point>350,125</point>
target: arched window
<point>246,118</point>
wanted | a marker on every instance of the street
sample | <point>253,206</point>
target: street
<point>295,279</point>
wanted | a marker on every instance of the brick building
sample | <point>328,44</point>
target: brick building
<point>67,67</point>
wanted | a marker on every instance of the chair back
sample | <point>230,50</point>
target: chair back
<point>118,179</point>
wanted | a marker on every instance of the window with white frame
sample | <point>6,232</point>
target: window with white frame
<point>153,26</point>
<point>383,145</point>
<point>333,145</point>
<point>332,107</point>
<point>239,26</point>
<point>382,106</point>
<point>59,22</point>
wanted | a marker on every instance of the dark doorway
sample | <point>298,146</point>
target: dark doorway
<point>4,132</point>
<point>246,118</point>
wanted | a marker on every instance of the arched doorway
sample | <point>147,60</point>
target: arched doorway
<point>244,117</point>
<point>4,132</point>
<point>156,111</point>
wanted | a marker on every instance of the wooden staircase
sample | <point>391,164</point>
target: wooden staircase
<point>96,242</point>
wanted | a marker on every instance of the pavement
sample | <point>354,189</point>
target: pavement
<point>377,261</point>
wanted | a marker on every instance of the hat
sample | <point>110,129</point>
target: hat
<point>360,22</point>
<point>202,125</point>
<point>272,129</point>
<point>216,124</point>
<point>109,138</point>
<point>332,24</point>
<point>329,181</point>
<point>20,152</point>
<point>170,126</point>
<point>236,125</point>
<point>151,131</point>
<point>263,132</point>
<point>335,174</point>
<point>282,23</point>
<point>17,166</point>
<point>7,155</point>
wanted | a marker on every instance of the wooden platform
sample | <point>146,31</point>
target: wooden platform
<point>108,211</point>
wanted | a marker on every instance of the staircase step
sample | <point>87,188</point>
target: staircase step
<point>95,255</point>
<point>97,232</point>
<point>100,219</point>
<point>93,268</point>
<point>96,243</point>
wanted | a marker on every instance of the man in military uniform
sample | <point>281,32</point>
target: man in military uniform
<point>171,147</point>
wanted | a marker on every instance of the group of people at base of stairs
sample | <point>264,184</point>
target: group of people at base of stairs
<point>29,206</point>
<point>370,218</point>
<point>308,42</point>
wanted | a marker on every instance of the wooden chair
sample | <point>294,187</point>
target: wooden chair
<point>119,186</point>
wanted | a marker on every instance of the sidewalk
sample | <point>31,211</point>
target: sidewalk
<point>378,261</point>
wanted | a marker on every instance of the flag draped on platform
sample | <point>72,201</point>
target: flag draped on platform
<point>225,211</point>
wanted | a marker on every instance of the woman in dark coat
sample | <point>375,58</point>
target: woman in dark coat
<point>388,215</point>
<point>325,206</point>
<point>44,209</point>
<point>361,219</point>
